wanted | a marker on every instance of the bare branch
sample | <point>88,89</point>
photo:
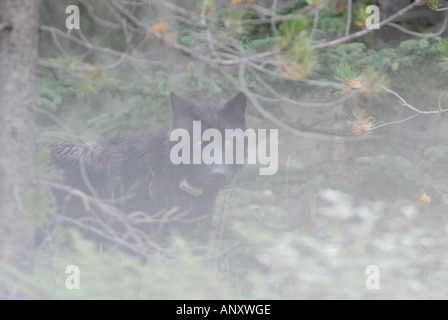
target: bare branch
<point>102,22</point>
<point>394,122</point>
<point>131,235</point>
<point>289,77</point>
<point>417,112</point>
<point>366,31</point>
<point>54,118</point>
<point>315,22</point>
<point>405,104</point>
<point>422,35</point>
<point>273,26</point>
<point>294,102</point>
<point>349,17</point>
<point>268,116</point>
<point>91,47</point>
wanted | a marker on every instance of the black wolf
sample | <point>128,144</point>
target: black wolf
<point>137,169</point>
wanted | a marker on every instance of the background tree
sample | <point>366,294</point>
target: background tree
<point>19,25</point>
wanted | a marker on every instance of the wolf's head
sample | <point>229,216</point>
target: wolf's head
<point>193,119</point>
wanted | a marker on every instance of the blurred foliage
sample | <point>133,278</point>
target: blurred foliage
<point>295,50</point>
<point>443,49</point>
<point>116,275</point>
<point>332,209</point>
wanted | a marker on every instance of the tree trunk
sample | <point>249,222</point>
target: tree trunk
<point>19,21</point>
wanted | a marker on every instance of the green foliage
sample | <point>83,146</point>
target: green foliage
<point>436,153</point>
<point>263,42</point>
<point>130,105</point>
<point>361,123</point>
<point>433,4</point>
<point>289,30</point>
<point>443,50</point>
<point>38,203</point>
<point>360,13</point>
<point>330,21</point>
<point>43,158</point>
<point>292,6</point>
<point>208,6</point>
<point>433,169</point>
<point>407,54</point>
<point>116,275</point>
<point>442,46</point>
<point>385,163</point>
<point>365,179</point>
<point>354,83</point>
<point>345,74</point>
<point>48,99</point>
<point>295,50</point>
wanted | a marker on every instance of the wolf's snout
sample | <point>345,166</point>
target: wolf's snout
<point>219,175</point>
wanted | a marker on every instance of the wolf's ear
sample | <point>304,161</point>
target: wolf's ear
<point>179,103</point>
<point>235,108</point>
<point>181,112</point>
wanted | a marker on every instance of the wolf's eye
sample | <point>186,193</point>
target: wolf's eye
<point>227,141</point>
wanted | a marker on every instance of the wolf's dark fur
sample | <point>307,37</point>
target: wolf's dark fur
<point>138,168</point>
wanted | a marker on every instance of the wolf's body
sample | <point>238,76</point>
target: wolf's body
<point>137,169</point>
